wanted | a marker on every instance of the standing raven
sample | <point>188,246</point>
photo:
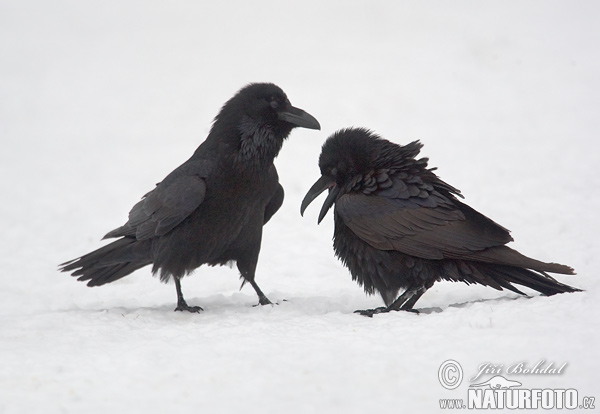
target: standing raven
<point>398,226</point>
<point>211,209</point>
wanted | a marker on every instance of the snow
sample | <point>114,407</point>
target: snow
<point>100,100</point>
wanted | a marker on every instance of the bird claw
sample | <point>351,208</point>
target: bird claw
<point>371,312</point>
<point>185,307</point>
<point>263,300</point>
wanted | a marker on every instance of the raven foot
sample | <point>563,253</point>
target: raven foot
<point>184,307</point>
<point>263,300</point>
<point>371,312</point>
<point>181,303</point>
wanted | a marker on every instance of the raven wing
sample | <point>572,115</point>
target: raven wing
<point>163,208</point>
<point>274,203</point>
<point>414,218</point>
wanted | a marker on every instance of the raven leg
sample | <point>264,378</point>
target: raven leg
<point>247,269</point>
<point>262,299</point>
<point>408,305</point>
<point>405,302</point>
<point>181,303</point>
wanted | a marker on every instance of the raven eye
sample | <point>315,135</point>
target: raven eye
<point>334,171</point>
<point>274,103</point>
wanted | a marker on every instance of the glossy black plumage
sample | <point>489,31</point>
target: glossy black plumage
<point>399,227</point>
<point>211,209</point>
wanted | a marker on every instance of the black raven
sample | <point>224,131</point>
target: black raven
<point>398,226</point>
<point>211,209</point>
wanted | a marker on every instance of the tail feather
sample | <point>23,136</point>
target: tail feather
<point>109,263</point>
<point>505,284</point>
<point>502,277</point>
<point>504,255</point>
<point>540,281</point>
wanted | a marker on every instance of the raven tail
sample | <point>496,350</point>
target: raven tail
<point>503,276</point>
<point>109,263</point>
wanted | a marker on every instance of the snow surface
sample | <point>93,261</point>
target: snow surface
<point>100,100</point>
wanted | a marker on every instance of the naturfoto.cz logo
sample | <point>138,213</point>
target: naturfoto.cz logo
<point>499,392</point>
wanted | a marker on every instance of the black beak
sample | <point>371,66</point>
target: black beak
<point>298,117</point>
<point>321,185</point>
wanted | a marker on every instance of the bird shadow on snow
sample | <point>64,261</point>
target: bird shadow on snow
<point>469,303</point>
<point>215,302</point>
<point>246,304</point>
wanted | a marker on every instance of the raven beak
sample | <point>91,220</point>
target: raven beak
<point>299,117</point>
<point>321,185</point>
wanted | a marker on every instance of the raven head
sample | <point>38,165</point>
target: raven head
<point>267,103</point>
<point>262,117</point>
<point>356,159</point>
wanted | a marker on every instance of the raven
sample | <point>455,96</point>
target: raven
<point>398,226</point>
<point>211,209</point>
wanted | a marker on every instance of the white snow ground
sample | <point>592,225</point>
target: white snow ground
<point>100,100</point>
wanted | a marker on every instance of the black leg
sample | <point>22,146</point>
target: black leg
<point>181,303</point>
<point>247,270</point>
<point>408,305</point>
<point>405,302</point>
<point>262,299</point>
